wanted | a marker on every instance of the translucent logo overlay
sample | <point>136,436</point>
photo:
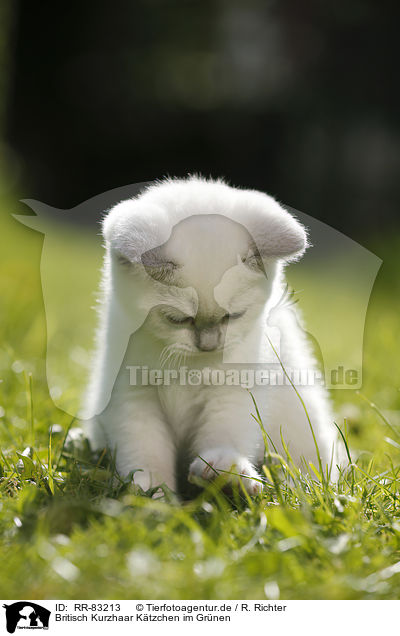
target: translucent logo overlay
<point>332,285</point>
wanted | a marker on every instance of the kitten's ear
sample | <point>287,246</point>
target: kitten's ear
<point>286,238</point>
<point>132,227</point>
<point>276,232</point>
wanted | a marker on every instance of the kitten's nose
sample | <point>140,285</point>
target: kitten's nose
<point>207,339</point>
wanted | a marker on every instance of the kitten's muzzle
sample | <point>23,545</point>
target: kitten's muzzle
<point>208,338</point>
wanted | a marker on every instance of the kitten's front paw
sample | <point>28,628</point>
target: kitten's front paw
<point>146,480</point>
<point>224,461</point>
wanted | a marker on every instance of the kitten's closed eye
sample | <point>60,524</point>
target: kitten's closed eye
<point>190,321</point>
<point>235,315</point>
<point>180,320</point>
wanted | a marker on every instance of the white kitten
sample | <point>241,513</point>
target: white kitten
<point>192,279</point>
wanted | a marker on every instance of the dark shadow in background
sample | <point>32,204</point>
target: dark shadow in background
<point>297,99</point>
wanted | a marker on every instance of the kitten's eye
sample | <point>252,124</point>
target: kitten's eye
<point>180,320</point>
<point>235,315</point>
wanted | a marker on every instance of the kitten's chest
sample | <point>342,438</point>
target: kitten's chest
<point>182,405</point>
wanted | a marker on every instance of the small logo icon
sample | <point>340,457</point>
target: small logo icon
<point>26,615</point>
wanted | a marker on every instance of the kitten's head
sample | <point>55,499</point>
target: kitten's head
<point>204,255</point>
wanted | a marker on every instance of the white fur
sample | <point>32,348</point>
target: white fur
<point>206,228</point>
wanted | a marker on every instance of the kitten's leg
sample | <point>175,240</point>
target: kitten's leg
<point>227,439</point>
<point>286,419</point>
<point>143,441</point>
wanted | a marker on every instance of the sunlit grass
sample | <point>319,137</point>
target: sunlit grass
<point>71,528</point>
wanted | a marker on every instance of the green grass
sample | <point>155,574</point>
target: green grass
<point>70,529</point>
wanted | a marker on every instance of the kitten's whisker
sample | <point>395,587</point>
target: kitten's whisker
<point>166,353</point>
<point>173,355</point>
